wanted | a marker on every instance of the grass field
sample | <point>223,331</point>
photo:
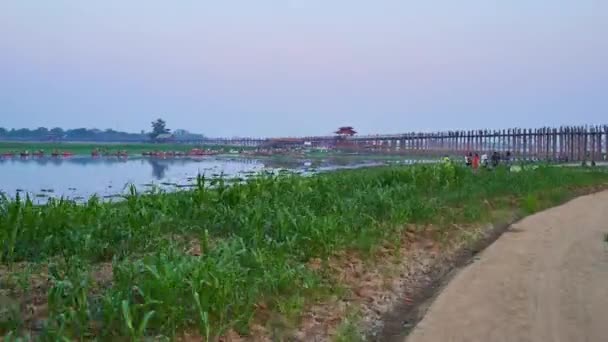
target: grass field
<point>213,259</point>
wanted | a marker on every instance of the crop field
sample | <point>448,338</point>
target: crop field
<point>208,261</point>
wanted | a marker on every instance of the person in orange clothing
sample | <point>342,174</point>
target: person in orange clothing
<point>476,161</point>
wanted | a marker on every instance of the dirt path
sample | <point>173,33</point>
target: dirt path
<point>545,279</point>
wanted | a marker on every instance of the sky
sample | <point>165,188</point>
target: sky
<point>303,67</point>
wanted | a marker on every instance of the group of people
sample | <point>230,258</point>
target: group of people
<point>475,161</point>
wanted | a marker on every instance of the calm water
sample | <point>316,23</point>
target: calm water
<point>81,177</point>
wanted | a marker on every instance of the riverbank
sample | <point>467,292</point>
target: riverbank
<point>170,151</point>
<point>78,148</point>
<point>275,256</point>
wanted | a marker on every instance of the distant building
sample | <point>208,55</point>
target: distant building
<point>346,131</point>
<point>180,132</point>
<point>343,133</point>
<point>165,137</point>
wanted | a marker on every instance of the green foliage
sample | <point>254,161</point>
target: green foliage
<point>68,299</point>
<point>158,128</point>
<point>254,238</point>
<point>530,204</point>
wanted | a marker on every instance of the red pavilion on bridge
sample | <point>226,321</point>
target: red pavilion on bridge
<point>342,142</point>
<point>346,131</point>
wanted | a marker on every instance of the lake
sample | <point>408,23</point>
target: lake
<point>80,177</point>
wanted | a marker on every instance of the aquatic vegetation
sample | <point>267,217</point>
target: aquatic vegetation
<point>203,259</point>
<point>108,149</point>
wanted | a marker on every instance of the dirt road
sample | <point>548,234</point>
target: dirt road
<point>545,279</point>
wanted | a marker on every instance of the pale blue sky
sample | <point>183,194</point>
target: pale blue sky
<point>296,67</point>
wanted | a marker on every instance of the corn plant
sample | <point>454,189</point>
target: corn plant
<point>254,239</point>
<point>135,332</point>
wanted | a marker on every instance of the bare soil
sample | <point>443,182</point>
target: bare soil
<point>545,279</point>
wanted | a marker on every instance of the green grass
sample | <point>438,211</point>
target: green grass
<point>349,329</point>
<point>252,243</point>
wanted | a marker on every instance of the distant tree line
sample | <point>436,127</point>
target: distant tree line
<point>86,134</point>
<point>78,134</point>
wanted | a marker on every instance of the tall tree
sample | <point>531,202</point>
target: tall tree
<point>57,131</point>
<point>158,128</point>
<point>41,132</point>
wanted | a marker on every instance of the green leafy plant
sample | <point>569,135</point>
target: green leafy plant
<point>136,332</point>
<point>206,258</point>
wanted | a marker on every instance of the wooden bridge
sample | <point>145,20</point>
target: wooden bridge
<point>573,143</point>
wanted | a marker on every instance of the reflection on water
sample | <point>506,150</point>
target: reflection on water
<point>158,169</point>
<point>81,177</point>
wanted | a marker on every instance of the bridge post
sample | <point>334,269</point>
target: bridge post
<point>525,143</point>
<point>513,141</point>
<point>561,142</point>
<point>596,140</point>
<point>585,132</point>
<point>461,142</point>
<point>591,142</point>
<point>539,148</point>
<point>553,143</point>
<point>577,143</point>
<point>606,139</point>
<point>541,142</point>
<point>571,143</point>
<point>583,140</point>
<point>546,142</point>
<point>600,143</point>
<point>512,135</point>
